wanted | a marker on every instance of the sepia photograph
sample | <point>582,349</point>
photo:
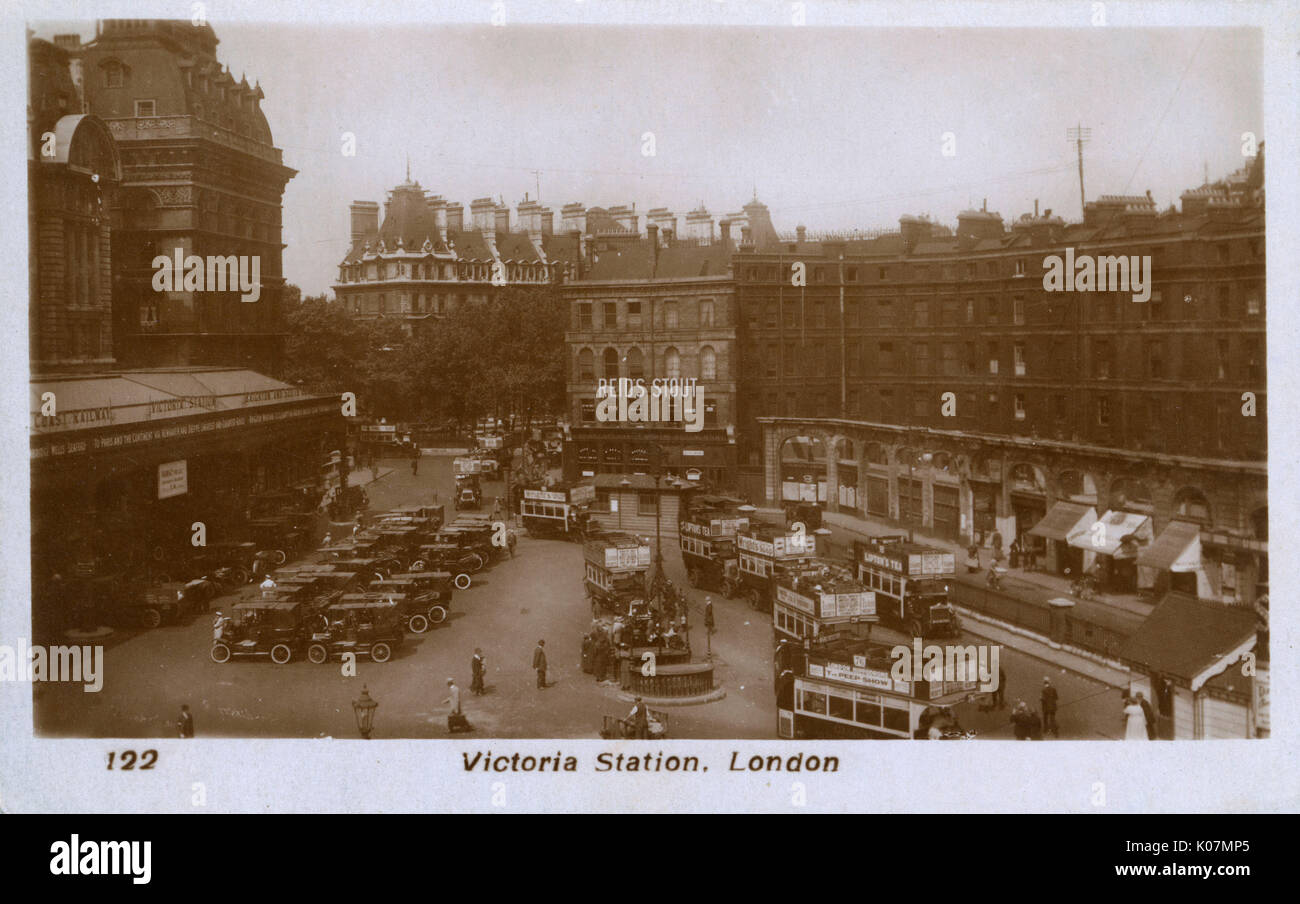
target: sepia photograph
<point>567,372</point>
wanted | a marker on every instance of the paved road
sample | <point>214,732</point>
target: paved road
<point>536,595</point>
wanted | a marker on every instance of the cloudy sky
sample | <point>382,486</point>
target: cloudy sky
<point>834,128</point>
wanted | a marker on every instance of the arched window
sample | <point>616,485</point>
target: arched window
<point>586,365</point>
<point>1192,505</point>
<point>670,315</point>
<point>708,363</point>
<point>610,364</point>
<point>673,363</point>
<point>635,363</point>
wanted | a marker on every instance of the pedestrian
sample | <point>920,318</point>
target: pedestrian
<point>1150,715</point>
<point>640,720</point>
<point>1022,720</point>
<point>219,625</point>
<point>1000,696</point>
<point>539,663</point>
<point>972,559</point>
<point>456,720</point>
<point>1048,700</point>
<point>415,464</point>
<point>185,724</point>
<point>1135,728</point>
<point>708,614</point>
<point>510,542</point>
<point>476,667</point>
<point>268,587</point>
<point>600,663</point>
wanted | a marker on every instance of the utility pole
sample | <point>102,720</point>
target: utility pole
<point>1080,136</point>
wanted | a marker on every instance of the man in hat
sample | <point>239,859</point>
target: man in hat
<point>539,663</point>
<point>268,587</point>
<point>219,626</point>
<point>185,724</point>
<point>476,667</point>
<point>1150,716</point>
<point>640,720</point>
<point>708,614</point>
<point>1048,700</point>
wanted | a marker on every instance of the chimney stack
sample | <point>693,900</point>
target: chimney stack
<point>365,219</point>
<point>724,231</point>
<point>501,222</point>
<point>574,217</point>
<point>455,217</point>
<point>482,213</point>
<point>440,218</point>
<point>581,241</point>
<point>652,236</point>
<point>800,233</point>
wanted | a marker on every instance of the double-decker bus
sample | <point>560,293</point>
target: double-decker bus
<point>560,510</point>
<point>707,538</point>
<point>910,581</point>
<point>842,686</point>
<point>762,552</point>
<point>817,597</point>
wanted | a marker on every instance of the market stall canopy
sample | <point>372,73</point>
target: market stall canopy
<point>1116,527</point>
<point>1065,520</point>
<point>1177,549</point>
<point>1190,639</point>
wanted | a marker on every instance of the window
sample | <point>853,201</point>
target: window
<point>1252,303</point>
<point>586,365</point>
<point>1103,411</point>
<point>1223,295</point>
<point>609,364</point>
<point>1020,267</point>
<point>921,313</point>
<point>819,313</point>
<point>584,315</point>
<point>921,359</point>
<point>970,310</point>
<point>969,362</point>
<point>706,312</point>
<point>993,357</point>
<point>1221,347</point>
<point>144,108</point>
<point>751,315</point>
<point>851,311</point>
<point>1156,360</point>
<point>769,315</point>
<point>1101,359</point>
<point>851,274</point>
<point>949,311</point>
<point>852,352</point>
<point>672,362</point>
<point>588,412</point>
<point>884,310</point>
<point>634,315</point>
<point>635,363</point>
<point>647,504</point>
<point>1020,406</point>
<point>708,363</point>
<point>670,315</point>
<point>113,74</point>
<point>920,404</point>
<point>1254,361</point>
<point>609,315</point>
<point>951,367</point>
<point>970,270</point>
<point>885,357</point>
<point>790,358</point>
<point>1018,310</point>
<point>1018,351</point>
<point>990,310</point>
<point>883,273</point>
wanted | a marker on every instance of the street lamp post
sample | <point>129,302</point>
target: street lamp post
<point>364,709</point>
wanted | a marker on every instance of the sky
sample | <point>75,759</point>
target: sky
<point>831,128</point>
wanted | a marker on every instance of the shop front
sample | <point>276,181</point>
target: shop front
<point>1064,521</point>
<point>1173,561</point>
<point>1110,548</point>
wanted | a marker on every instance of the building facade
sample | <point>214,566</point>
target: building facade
<point>200,176</point>
<point>658,312</point>
<point>424,259</point>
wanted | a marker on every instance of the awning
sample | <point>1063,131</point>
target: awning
<point>1190,639</point>
<point>1065,520</point>
<point>1177,549</point>
<point>1108,539</point>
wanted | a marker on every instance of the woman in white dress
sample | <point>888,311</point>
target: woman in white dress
<point>1135,725</point>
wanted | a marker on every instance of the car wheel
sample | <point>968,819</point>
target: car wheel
<point>381,652</point>
<point>280,653</point>
<point>150,618</point>
<point>278,556</point>
<point>317,653</point>
<point>437,614</point>
<point>417,565</point>
<point>418,624</point>
<point>220,653</point>
<point>462,581</point>
<point>240,576</point>
<point>693,577</point>
<point>475,562</point>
